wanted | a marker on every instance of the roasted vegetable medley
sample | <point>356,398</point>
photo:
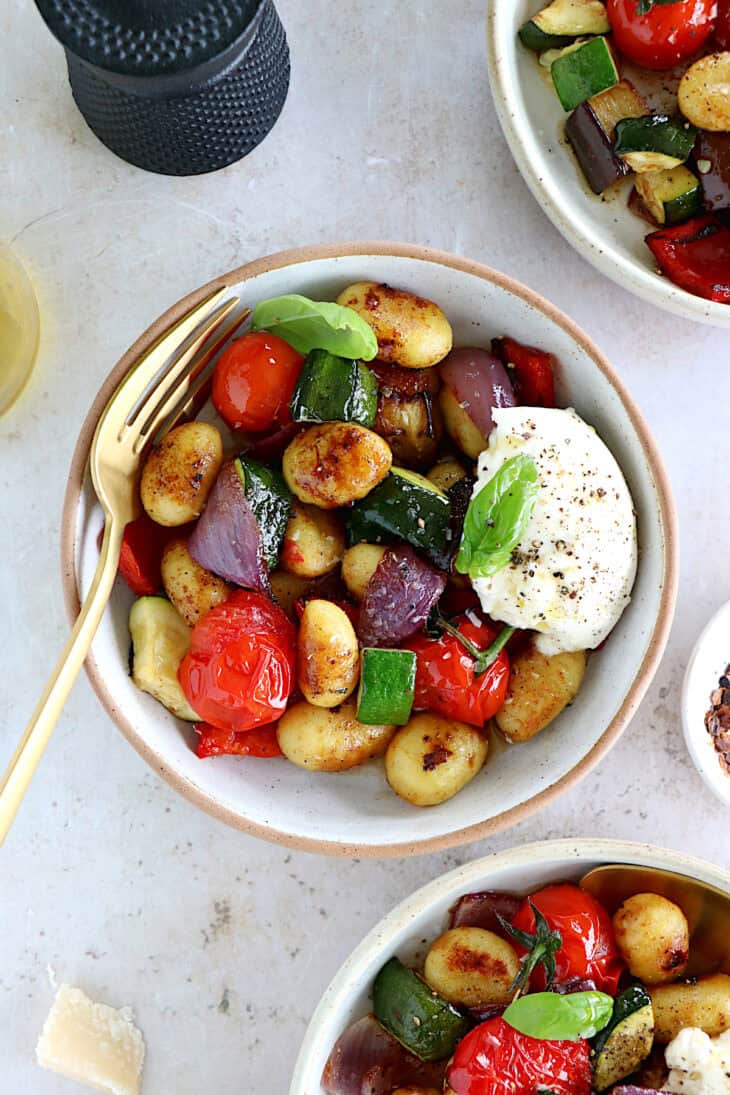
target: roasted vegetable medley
<point>552,992</point>
<point>325,574</point>
<point>670,133</point>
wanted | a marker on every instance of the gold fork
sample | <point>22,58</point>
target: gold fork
<point>156,392</point>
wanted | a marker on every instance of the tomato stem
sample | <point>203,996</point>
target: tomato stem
<point>483,659</point>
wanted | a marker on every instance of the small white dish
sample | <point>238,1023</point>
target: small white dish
<point>707,664</point>
<point>422,916</point>
<point>605,232</point>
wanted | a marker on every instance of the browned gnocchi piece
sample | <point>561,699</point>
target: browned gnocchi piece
<point>329,739</point>
<point>432,758</point>
<point>653,936</point>
<point>472,967</point>
<point>314,542</point>
<point>179,473</point>
<point>335,463</point>
<point>192,589</point>
<point>412,426</point>
<point>704,1003</point>
<point>328,658</point>
<point>540,688</point>
<point>411,331</point>
<point>358,566</point>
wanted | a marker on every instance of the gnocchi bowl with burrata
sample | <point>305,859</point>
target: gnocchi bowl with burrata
<point>405,526</point>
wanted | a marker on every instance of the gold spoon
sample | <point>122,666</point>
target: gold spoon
<point>707,909</point>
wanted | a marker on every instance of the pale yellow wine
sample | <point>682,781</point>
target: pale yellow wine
<point>19,327</point>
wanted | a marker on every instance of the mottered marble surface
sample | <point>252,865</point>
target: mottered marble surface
<point>222,944</point>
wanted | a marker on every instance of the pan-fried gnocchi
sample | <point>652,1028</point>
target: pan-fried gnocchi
<point>540,688</point>
<point>653,935</point>
<point>179,473</point>
<point>192,589</point>
<point>314,542</point>
<point>336,463</point>
<point>330,739</point>
<point>328,660</point>
<point>472,967</point>
<point>432,758</point>
<point>411,332</point>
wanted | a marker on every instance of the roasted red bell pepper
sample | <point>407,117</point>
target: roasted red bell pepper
<point>143,543</point>
<point>445,673</point>
<point>531,372</point>
<point>696,256</point>
<point>259,742</point>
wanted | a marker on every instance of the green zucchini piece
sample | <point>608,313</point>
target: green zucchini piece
<point>387,687</point>
<point>672,196</point>
<point>654,141</point>
<point>405,506</point>
<point>160,641</point>
<point>419,1018</point>
<point>334,389</point>
<point>626,1041</point>
<point>270,500</point>
<point>562,20</point>
<point>582,73</point>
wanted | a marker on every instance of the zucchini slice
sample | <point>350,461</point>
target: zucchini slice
<point>627,1040</point>
<point>270,500</point>
<point>334,389</point>
<point>582,73</point>
<point>405,506</point>
<point>160,641</point>
<point>672,196</point>
<point>562,20</point>
<point>422,1021</point>
<point>654,142</point>
<point>591,131</point>
<point>387,687</point>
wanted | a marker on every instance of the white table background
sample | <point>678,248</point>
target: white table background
<point>224,944</point>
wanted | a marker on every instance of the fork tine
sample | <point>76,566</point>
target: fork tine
<point>197,386</point>
<point>176,381</point>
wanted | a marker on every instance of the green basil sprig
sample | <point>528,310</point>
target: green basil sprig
<point>560,1017</point>
<point>541,945</point>
<point>497,517</point>
<point>316,325</point>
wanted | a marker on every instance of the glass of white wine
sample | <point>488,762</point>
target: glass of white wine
<point>19,327</point>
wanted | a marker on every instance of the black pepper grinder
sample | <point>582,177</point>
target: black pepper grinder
<point>180,87</point>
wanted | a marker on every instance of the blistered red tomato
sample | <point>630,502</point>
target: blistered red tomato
<point>496,1059</point>
<point>254,380</point>
<point>589,950</point>
<point>143,543</point>
<point>259,742</point>
<point>445,677</point>
<point>239,672</point>
<point>664,36</point>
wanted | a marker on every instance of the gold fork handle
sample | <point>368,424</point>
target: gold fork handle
<point>32,745</point>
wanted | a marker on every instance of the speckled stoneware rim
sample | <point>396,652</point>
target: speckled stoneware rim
<point>478,875</point>
<point>503,63</point>
<point>656,644</point>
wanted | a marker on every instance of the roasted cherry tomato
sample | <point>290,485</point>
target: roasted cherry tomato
<point>696,256</point>
<point>254,380</point>
<point>142,546</point>
<point>495,1059</point>
<point>666,35</point>
<point>530,370</point>
<point>589,951</point>
<point>239,672</point>
<point>259,742</point>
<point>445,680</point>
<point>722,26</point>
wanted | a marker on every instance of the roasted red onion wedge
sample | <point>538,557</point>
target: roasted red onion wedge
<point>398,598</point>
<point>226,538</point>
<point>480,910</point>
<point>367,1060</point>
<point>479,381</point>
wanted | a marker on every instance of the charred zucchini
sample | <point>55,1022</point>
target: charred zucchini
<point>627,1040</point>
<point>334,389</point>
<point>579,74</point>
<point>160,641</point>
<point>405,506</point>
<point>562,21</point>
<point>671,197</point>
<point>420,1019</point>
<point>654,142</point>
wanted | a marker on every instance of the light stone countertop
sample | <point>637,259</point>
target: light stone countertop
<point>222,944</point>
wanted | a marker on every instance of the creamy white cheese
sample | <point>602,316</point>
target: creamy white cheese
<point>699,1065</point>
<point>571,576</point>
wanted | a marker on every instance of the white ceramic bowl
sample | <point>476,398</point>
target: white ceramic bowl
<point>355,813</point>
<point>709,660</point>
<point>423,917</point>
<point>604,232</point>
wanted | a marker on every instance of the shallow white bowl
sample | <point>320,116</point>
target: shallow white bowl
<point>422,917</point>
<point>355,812</point>
<point>604,232</point>
<point>708,662</point>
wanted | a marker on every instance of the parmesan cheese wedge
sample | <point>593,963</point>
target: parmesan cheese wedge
<point>92,1043</point>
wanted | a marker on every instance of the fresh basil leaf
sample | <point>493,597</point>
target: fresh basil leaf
<point>316,325</point>
<point>497,518</point>
<point>560,1018</point>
